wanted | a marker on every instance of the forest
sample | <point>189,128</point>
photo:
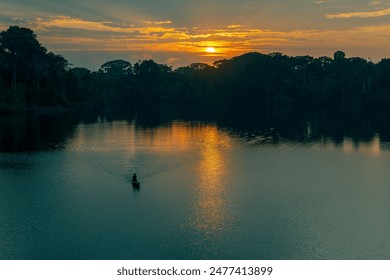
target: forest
<point>31,77</point>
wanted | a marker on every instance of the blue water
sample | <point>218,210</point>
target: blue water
<point>207,192</point>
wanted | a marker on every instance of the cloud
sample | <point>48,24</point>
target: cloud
<point>376,3</point>
<point>234,26</point>
<point>65,34</point>
<point>373,14</point>
<point>73,33</point>
<point>157,22</point>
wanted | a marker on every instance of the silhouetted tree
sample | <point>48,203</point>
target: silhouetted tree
<point>23,53</point>
<point>31,76</point>
<point>36,77</point>
<point>195,81</point>
<point>117,67</point>
<point>150,78</point>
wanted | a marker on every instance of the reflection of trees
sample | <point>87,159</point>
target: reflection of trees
<point>20,133</point>
<point>248,122</point>
<point>251,122</point>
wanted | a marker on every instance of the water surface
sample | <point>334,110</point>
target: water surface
<point>211,188</point>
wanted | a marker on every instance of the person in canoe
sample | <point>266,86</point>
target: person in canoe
<point>134,178</point>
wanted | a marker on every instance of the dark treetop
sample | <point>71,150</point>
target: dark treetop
<point>31,77</point>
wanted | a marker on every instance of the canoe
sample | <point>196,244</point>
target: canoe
<point>135,183</point>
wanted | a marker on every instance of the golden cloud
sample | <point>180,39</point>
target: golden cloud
<point>66,33</point>
<point>158,22</point>
<point>372,14</point>
<point>235,26</point>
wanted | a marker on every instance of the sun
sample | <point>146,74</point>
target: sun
<point>210,50</point>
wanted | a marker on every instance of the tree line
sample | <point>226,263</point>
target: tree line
<point>31,77</point>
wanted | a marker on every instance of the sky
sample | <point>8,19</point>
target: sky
<point>179,32</point>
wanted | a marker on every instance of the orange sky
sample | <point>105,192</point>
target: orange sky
<point>89,33</point>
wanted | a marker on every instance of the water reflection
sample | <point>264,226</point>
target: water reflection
<point>136,188</point>
<point>294,199</point>
<point>345,129</point>
<point>370,147</point>
<point>211,210</point>
<point>103,137</point>
<point>34,132</point>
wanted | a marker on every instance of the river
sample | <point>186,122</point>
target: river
<point>214,185</point>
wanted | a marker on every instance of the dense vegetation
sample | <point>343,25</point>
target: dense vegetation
<point>31,77</point>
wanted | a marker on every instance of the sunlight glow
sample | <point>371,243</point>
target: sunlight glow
<point>151,38</point>
<point>210,50</point>
<point>212,215</point>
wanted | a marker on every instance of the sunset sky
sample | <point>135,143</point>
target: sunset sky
<point>179,32</point>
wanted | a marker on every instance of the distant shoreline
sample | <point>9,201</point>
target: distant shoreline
<point>31,77</point>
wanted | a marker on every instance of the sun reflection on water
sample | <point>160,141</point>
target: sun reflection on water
<point>211,210</point>
<point>210,215</point>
